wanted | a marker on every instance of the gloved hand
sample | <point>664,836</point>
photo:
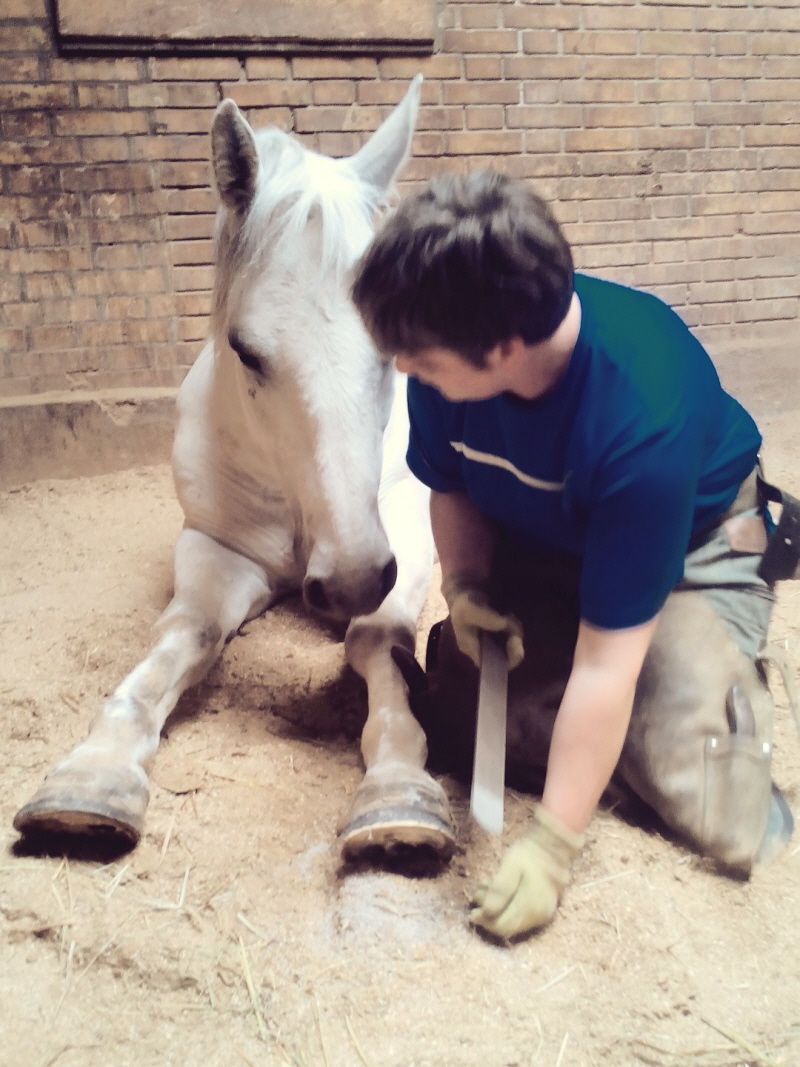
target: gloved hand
<point>470,612</point>
<point>525,892</point>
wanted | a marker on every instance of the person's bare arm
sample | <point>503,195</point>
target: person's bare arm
<point>465,541</point>
<point>593,720</point>
<point>464,537</point>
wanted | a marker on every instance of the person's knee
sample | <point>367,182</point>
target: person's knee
<point>699,745</point>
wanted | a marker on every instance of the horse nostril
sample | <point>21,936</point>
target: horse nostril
<point>315,595</point>
<point>388,578</point>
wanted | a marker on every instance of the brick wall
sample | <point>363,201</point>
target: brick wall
<point>666,134</point>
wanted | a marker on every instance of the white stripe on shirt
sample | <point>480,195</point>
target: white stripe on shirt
<point>506,465</point>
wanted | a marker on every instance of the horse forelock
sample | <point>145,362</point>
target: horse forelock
<point>295,186</point>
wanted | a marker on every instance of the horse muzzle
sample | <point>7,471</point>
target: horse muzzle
<point>343,595</point>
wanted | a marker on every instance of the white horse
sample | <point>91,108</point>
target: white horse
<point>289,464</point>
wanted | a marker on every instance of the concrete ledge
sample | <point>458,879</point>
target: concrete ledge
<point>68,435</point>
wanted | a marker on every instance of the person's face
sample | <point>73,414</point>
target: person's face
<point>455,377</point>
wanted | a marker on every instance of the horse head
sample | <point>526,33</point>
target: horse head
<point>313,396</point>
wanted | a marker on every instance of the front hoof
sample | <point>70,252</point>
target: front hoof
<point>108,803</point>
<point>399,820</point>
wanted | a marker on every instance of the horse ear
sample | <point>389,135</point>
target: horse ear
<point>378,162</point>
<point>234,157</point>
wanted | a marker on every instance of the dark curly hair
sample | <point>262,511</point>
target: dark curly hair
<point>468,262</point>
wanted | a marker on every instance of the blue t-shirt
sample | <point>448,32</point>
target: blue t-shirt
<point>636,447</point>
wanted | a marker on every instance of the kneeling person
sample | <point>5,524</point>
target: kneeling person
<point>593,489</point>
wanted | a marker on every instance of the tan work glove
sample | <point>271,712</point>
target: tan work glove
<point>525,892</point>
<point>470,612</point>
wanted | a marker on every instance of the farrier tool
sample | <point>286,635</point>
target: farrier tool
<point>488,771</point>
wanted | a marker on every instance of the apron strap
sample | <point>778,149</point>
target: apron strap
<point>781,560</point>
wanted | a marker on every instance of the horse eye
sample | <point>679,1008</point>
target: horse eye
<point>247,356</point>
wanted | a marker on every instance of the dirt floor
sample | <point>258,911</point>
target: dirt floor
<point>232,935</point>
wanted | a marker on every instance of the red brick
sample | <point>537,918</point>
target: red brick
<point>476,92</point>
<point>100,96</point>
<point>193,68</point>
<point>605,116</point>
<point>126,307</point>
<point>173,121</point>
<point>465,42</point>
<point>541,42</point>
<point>48,337</point>
<point>18,97</point>
<point>173,94</point>
<point>116,255</point>
<point>12,340</point>
<point>193,304</point>
<point>46,286</point>
<point>600,140</point>
<point>47,152</point>
<point>484,118</point>
<point>674,137</point>
<point>339,145</point>
<point>729,67</point>
<point>104,149</point>
<point>483,68</point>
<point>32,180</point>
<point>541,68</point>
<point>190,201</point>
<point>594,92</point>
<point>144,331</point>
<point>188,279</point>
<point>188,174</point>
<point>439,66</point>
<point>280,117</point>
<point>443,118</point>
<point>164,305</point>
<point>778,89</point>
<point>637,68</point>
<point>561,116</point>
<point>483,16</point>
<point>322,119</point>
<point>99,123</point>
<point>332,92</point>
<point>192,329</point>
<point>333,67</point>
<point>113,177</point>
<point>33,10</point>
<point>182,253</point>
<point>25,126</point>
<point>764,136</point>
<point>28,37</point>
<point>94,70</point>
<point>270,67</point>
<point>188,227</point>
<point>489,143</point>
<point>275,94</point>
<point>600,44</point>
<point>672,67</point>
<point>19,69</point>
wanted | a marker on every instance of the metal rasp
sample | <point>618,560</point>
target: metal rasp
<point>488,771</point>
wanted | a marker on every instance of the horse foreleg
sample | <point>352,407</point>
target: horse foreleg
<point>398,806</point>
<point>102,786</point>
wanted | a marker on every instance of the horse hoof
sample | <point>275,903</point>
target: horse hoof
<point>399,820</point>
<point>108,803</point>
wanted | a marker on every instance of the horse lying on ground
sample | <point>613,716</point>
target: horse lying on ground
<point>289,464</point>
